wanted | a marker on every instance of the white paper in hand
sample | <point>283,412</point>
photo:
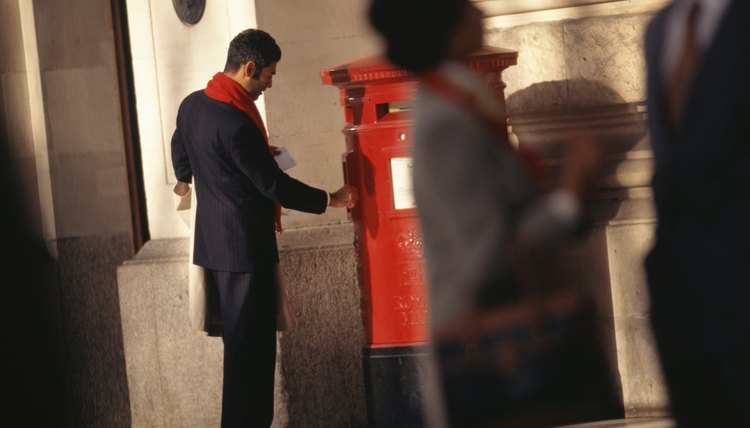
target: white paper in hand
<point>284,159</point>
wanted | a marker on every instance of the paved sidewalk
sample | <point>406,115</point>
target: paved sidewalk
<point>626,423</point>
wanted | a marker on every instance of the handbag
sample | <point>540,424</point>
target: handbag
<point>536,361</point>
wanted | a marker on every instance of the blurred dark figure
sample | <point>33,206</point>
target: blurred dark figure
<point>698,57</point>
<point>32,365</point>
<point>478,198</point>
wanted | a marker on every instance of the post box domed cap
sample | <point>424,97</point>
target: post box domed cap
<point>416,32</point>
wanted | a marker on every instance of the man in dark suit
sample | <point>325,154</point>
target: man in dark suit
<point>699,123</point>
<point>221,144</point>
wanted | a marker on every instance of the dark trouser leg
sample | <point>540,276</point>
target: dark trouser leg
<point>248,315</point>
<point>709,389</point>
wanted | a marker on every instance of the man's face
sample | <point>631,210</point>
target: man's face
<point>264,81</point>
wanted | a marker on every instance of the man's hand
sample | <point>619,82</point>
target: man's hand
<point>346,196</point>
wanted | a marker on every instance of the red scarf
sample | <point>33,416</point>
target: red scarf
<point>447,88</point>
<point>224,89</point>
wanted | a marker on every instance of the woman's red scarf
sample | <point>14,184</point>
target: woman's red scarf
<point>224,89</point>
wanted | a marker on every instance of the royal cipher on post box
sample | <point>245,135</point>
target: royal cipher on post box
<point>377,98</point>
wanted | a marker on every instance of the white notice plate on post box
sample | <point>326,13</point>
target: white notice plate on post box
<point>401,174</point>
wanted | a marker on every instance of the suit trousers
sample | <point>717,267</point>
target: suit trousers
<point>248,316</point>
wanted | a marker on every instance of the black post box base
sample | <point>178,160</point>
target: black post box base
<point>393,392</point>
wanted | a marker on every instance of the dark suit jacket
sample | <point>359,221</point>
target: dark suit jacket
<point>698,269</point>
<point>237,183</point>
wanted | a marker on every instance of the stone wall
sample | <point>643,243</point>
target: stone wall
<point>175,373</point>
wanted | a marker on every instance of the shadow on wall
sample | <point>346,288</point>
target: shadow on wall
<point>562,94</point>
<point>542,117</point>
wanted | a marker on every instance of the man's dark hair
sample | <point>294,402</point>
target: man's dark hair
<point>416,32</point>
<point>255,45</point>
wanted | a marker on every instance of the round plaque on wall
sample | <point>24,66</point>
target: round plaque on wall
<point>189,11</point>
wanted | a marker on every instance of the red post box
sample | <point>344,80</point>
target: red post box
<point>377,98</point>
